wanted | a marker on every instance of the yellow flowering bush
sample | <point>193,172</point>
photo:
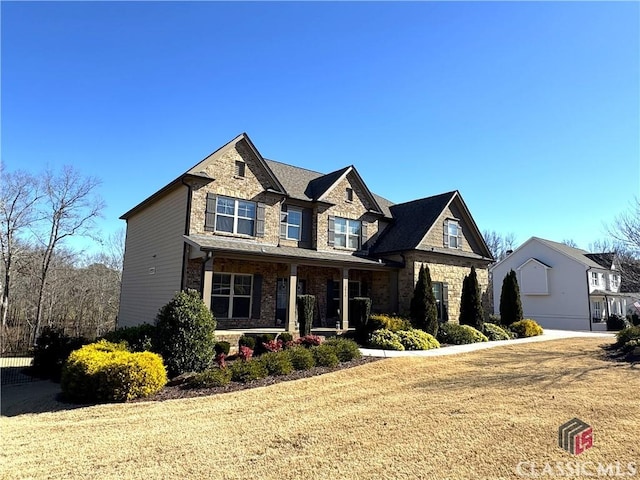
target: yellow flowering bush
<point>105,371</point>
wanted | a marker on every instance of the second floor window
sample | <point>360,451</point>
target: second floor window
<point>291,223</point>
<point>615,282</point>
<point>235,216</point>
<point>347,233</point>
<point>452,234</point>
<point>594,279</point>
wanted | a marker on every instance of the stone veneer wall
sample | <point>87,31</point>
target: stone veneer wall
<point>450,270</point>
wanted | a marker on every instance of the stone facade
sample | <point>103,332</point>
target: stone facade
<point>449,270</point>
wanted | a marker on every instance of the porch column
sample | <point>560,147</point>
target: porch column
<point>207,280</point>
<point>291,306</point>
<point>344,299</point>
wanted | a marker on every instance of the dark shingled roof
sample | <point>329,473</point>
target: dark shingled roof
<point>320,185</point>
<point>411,221</point>
<point>604,259</point>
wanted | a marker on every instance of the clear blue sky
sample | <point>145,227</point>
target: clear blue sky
<point>531,110</point>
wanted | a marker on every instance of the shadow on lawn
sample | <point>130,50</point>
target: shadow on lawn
<point>34,397</point>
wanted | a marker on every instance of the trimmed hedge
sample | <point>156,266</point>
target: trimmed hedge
<point>415,339</point>
<point>345,349</point>
<point>52,349</point>
<point>213,377</point>
<point>495,332</point>
<point>325,356</point>
<point>108,372</point>
<point>306,305</point>
<point>277,363</point>
<point>301,358</point>
<point>454,334</point>
<point>385,339</point>
<point>526,328</point>
<point>246,341</point>
<point>388,322</point>
<point>616,322</point>
<point>246,371</point>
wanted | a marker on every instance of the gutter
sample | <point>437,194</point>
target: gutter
<point>589,300</point>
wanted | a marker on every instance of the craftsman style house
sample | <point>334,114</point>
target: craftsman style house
<point>563,287</point>
<point>250,234</point>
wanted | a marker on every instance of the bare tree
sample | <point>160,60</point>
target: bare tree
<point>71,208</point>
<point>498,243</point>
<point>626,228</point>
<point>19,196</point>
<point>570,242</point>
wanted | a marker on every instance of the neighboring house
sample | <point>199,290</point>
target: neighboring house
<point>563,287</point>
<point>250,234</point>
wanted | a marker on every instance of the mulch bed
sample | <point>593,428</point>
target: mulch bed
<point>178,391</point>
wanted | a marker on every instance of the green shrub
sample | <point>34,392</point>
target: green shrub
<point>325,356</point>
<point>246,341</point>
<point>301,358</point>
<point>454,334</point>
<point>388,322</point>
<point>471,302</point>
<point>261,340</point>
<point>510,303</point>
<point>415,339</point>
<point>625,336</point>
<point>306,305</point>
<point>105,371</point>
<point>222,347</point>
<point>386,340</point>
<point>286,337</point>
<point>248,371</point>
<point>186,333</point>
<point>139,338</point>
<point>631,344</point>
<point>52,349</point>
<point>212,377</point>
<point>494,332</point>
<point>616,322</point>
<point>526,328</point>
<point>277,363</point>
<point>345,349</point>
<point>634,319</point>
<point>423,307</point>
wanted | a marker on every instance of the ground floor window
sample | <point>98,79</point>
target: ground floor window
<point>441,292</point>
<point>596,311</point>
<point>231,295</point>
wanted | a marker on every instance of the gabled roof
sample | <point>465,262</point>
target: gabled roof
<point>540,262</point>
<point>413,220</point>
<point>319,187</point>
<point>603,259</point>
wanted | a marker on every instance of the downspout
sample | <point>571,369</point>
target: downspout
<point>187,227</point>
<point>589,300</point>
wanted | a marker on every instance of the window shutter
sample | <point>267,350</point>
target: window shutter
<point>256,297</point>
<point>363,234</point>
<point>445,302</point>
<point>210,213</point>
<point>331,238</point>
<point>445,231</point>
<point>459,236</point>
<point>364,289</point>
<point>260,210</point>
<point>283,224</point>
<point>306,225</point>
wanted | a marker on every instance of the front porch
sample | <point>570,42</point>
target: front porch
<point>233,335</point>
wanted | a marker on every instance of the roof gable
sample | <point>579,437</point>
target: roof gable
<point>533,260</point>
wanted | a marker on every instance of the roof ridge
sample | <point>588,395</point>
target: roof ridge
<point>295,166</point>
<point>425,198</point>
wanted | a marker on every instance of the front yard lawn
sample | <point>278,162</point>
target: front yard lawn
<point>475,415</point>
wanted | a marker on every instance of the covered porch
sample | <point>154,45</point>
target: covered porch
<point>255,286</point>
<point>602,305</point>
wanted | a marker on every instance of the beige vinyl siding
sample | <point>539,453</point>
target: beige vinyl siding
<point>154,241</point>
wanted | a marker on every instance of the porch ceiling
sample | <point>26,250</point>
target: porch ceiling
<point>261,252</point>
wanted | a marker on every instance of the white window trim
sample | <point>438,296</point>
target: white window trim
<point>595,279</point>
<point>236,216</point>
<point>289,210</point>
<point>232,293</point>
<point>458,237</point>
<point>346,234</point>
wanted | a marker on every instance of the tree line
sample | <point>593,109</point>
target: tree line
<point>43,281</point>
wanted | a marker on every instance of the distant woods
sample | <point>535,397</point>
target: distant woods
<point>43,281</point>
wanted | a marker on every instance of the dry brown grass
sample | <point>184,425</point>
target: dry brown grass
<point>467,416</point>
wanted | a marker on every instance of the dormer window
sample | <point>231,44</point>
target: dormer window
<point>240,167</point>
<point>452,234</point>
<point>349,195</point>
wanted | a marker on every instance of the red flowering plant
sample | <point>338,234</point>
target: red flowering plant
<point>310,340</point>
<point>272,345</point>
<point>221,360</point>
<point>245,353</point>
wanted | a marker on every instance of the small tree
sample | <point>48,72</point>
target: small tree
<point>185,333</point>
<point>424,311</point>
<point>471,302</point>
<point>510,303</point>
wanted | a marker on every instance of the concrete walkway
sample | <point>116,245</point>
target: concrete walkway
<point>454,349</point>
